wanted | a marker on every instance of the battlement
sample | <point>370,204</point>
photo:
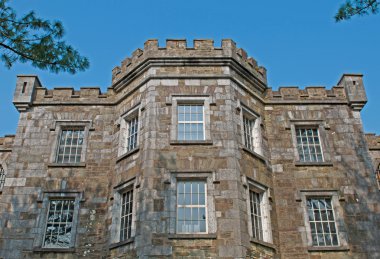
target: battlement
<point>373,141</point>
<point>69,94</point>
<point>350,90</point>
<point>6,143</point>
<point>309,93</point>
<point>178,49</point>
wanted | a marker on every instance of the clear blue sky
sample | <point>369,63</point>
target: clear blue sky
<point>297,41</point>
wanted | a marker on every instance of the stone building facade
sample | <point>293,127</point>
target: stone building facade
<point>189,154</point>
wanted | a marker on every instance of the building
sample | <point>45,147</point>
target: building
<point>189,154</point>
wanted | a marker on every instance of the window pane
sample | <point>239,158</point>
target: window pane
<point>308,145</point>
<point>256,215</point>
<point>70,145</point>
<point>58,223</point>
<point>126,215</point>
<point>190,122</point>
<point>192,212</point>
<point>322,222</point>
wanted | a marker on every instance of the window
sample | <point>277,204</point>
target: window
<point>123,213</point>
<point>190,122</point>
<point>129,131</point>
<point>248,130</point>
<point>322,221</point>
<point>132,133</point>
<point>251,131</point>
<point>308,145</point>
<point>126,215</point>
<point>70,144</point>
<point>191,207</point>
<point>59,223</point>
<point>256,218</point>
<point>2,177</point>
<point>258,209</point>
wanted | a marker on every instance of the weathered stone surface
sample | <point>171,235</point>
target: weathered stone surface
<point>150,84</point>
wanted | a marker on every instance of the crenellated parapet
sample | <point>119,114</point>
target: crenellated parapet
<point>177,52</point>
<point>317,93</point>
<point>373,141</point>
<point>29,91</point>
<point>349,90</point>
<point>6,143</point>
<point>68,94</point>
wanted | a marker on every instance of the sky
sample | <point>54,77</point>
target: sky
<point>298,41</point>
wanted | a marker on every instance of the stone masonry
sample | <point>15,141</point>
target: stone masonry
<point>234,160</point>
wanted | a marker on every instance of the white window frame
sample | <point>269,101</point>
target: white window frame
<point>323,221</point>
<point>324,144</point>
<point>65,146</point>
<point>256,144</point>
<point>205,176</point>
<point>45,198</point>
<point>308,145</point>
<point>338,216</point>
<point>47,222</point>
<point>3,175</point>
<point>60,125</point>
<point>190,122</point>
<point>192,206</point>
<point>176,100</point>
<point>265,211</point>
<point>126,214</point>
<point>116,211</point>
<point>126,119</point>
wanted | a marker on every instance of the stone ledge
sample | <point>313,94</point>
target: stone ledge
<point>53,250</point>
<point>313,164</point>
<point>122,243</point>
<point>128,154</point>
<point>328,249</point>
<point>192,236</point>
<point>66,165</point>
<point>263,243</point>
<point>254,154</point>
<point>191,142</point>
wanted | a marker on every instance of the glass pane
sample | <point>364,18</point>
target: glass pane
<point>188,213</point>
<point>201,187</point>
<point>202,226</point>
<point>202,199</point>
<point>194,214</point>
<point>188,187</point>
<point>181,187</point>
<point>181,214</point>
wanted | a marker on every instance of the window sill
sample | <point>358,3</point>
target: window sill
<point>122,243</point>
<point>328,249</point>
<point>263,243</point>
<point>313,164</point>
<point>53,250</point>
<point>191,142</point>
<point>129,153</point>
<point>192,236</point>
<point>66,165</point>
<point>254,154</point>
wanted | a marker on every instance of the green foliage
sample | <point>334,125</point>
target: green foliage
<point>356,7</point>
<point>35,40</point>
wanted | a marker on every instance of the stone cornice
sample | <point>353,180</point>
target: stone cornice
<point>189,61</point>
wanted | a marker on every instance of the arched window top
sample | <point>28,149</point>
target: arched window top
<point>2,176</point>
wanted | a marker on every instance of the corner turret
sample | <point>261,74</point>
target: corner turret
<point>25,89</point>
<point>354,88</point>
